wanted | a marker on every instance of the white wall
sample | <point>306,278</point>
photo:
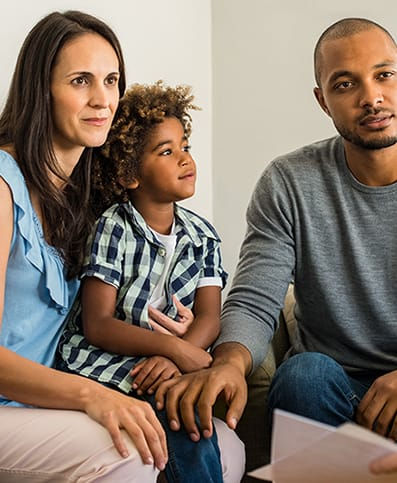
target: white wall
<point>262,92</point>
<point>168,40</point>
<point>258,87</point>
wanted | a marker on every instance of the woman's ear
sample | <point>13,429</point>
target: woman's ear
<point>131,184</point>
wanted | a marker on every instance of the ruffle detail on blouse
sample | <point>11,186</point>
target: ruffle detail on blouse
<point>26,224</point>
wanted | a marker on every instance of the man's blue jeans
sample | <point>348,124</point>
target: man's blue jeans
<point>188,461</point>
<point>317,387</point>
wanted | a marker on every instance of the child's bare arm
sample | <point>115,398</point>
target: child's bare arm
<point>103,330</point>
<point>206,325</point>
<point>200,329</point>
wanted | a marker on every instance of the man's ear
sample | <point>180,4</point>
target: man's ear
<point>131,184</point>
<point>318,94</point>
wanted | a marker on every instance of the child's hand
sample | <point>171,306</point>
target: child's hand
<point>188,357</point>
<point>151,372</point>
<point>166,325</point>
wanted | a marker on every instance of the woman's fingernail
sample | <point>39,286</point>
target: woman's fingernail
<point>149,461</point>
<point>206,433</point>
<point>194,437</point>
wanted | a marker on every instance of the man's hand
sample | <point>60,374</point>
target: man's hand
<point>378,408</point>
<point>151,372</point>
<point>202,389</point>
<point>166,325</point>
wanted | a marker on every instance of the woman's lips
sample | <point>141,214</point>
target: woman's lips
<point>96,121</point>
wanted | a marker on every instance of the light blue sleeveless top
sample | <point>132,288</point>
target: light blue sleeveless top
<point>37,294</point>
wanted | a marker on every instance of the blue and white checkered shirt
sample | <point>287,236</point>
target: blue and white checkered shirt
<point>124,252</point>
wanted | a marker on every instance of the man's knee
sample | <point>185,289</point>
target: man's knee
<point>306,371</point>
<point>312,385</point>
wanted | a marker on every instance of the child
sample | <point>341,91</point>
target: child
<point>153,269</point>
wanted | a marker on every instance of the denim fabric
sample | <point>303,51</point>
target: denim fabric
<point>315,386</point>
<point>189,461</point>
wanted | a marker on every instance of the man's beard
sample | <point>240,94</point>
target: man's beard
<point>372,144</point>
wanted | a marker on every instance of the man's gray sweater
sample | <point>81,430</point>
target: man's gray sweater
<point>311,221</point>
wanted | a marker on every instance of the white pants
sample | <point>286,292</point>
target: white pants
<point>58,446</point>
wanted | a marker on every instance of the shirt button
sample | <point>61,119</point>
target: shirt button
<point>162,252</point>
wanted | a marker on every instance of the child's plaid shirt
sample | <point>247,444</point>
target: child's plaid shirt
<point>124,252</point>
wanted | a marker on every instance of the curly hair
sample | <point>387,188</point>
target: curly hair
<point>141,109</point>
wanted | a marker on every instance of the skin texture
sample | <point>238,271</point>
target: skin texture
<point>77,97</point>
<point>359,92</point>
<point>384,465</point>
<point>168,171</point>
<point>85,95</point>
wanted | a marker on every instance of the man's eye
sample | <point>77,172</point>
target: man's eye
<point>343,85</point>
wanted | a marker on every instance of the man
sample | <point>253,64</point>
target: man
<point>323,216</point>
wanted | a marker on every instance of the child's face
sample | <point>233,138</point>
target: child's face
<point>168,172</point>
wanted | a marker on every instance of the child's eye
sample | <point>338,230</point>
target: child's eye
<point>166,152</point>
<point>187,148</point>
<point>386,75</point>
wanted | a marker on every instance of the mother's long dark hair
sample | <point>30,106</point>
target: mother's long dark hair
<point>26,124</point>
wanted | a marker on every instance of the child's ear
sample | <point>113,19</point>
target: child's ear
<point>131,184</point>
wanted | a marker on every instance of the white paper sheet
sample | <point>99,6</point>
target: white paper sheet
<point>306,451</point>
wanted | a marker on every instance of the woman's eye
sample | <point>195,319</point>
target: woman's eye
<point>112,80</point>
<point>80,81</point>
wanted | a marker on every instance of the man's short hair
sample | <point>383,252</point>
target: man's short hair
<point>341,29</point>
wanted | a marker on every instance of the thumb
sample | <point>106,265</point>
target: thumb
<point>178,304</point>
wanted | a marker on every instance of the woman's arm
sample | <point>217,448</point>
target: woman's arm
<point>103,330</point>
<point>6,223</point>
<point>31,383</point>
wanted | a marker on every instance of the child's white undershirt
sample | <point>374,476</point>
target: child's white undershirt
<point>158,298</point>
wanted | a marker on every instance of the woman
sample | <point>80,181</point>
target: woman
<point>64,93</point>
